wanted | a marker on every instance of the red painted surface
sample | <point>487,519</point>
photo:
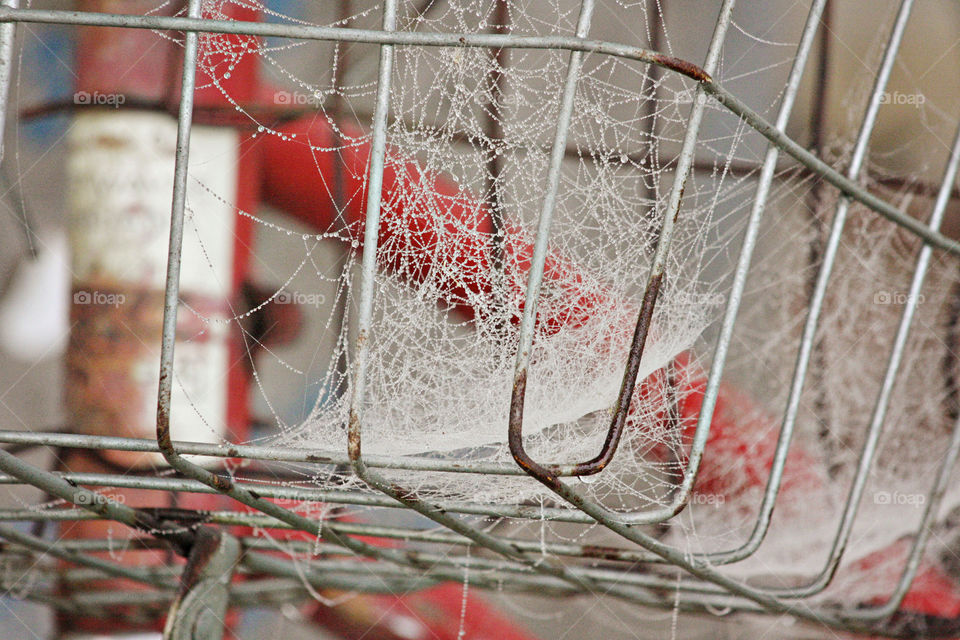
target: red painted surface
<point>413,241</point>
<point>148,57</point>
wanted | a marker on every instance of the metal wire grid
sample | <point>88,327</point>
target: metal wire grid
<point>520,563</point>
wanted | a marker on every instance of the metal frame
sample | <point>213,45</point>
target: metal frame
<point>521,563</point>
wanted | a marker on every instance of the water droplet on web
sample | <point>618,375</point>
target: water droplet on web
<point>260,129</point>
<point>354,243</point>
<point>226,76</point>
<point>623,158</point>
<point>587,479</point>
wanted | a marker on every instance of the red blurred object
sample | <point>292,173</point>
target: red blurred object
<point>296,180</point>
<point>437,613</point>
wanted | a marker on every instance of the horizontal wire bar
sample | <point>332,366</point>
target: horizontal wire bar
<point>256,452</point>
<point>581,551</point>
<point>342,34</point>
<point>165,576</point>
<point>313,494</point>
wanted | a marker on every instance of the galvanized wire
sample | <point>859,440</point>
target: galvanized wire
<point>547,566</point>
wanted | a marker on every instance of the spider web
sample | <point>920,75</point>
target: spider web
<point>468,145</point>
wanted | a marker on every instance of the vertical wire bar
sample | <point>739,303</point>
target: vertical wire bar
<point>174,252</point>
<point>547,476</point>
<point>657,270</point>
<point>549,473</point>
<point>494,131</point>
<point>654,74</point>
<point>535,276</point>
<point>664,241</point>
<point>819,296</point>
<point>943,477</point>
<point>818,122</point>
<point>951,361</point>
<point>751,235</point>
<point>371,232</point>
<point>8,32</point>
<point>340,308</point>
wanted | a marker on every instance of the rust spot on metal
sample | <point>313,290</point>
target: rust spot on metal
<point>224,485</point>
<point>548,473</point>
<point>312,457</point>
<point>353,437</point>
<point>682,66</point>
<point>233,453</point>
<point>515,431</point>
<point>547,476</point>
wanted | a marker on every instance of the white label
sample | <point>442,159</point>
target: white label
<point>121,169</point>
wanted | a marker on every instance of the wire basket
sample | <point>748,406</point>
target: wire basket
<point>491,543</point>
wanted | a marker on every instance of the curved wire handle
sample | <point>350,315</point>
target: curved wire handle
<point>548,474</point>
<point>621,409</point>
